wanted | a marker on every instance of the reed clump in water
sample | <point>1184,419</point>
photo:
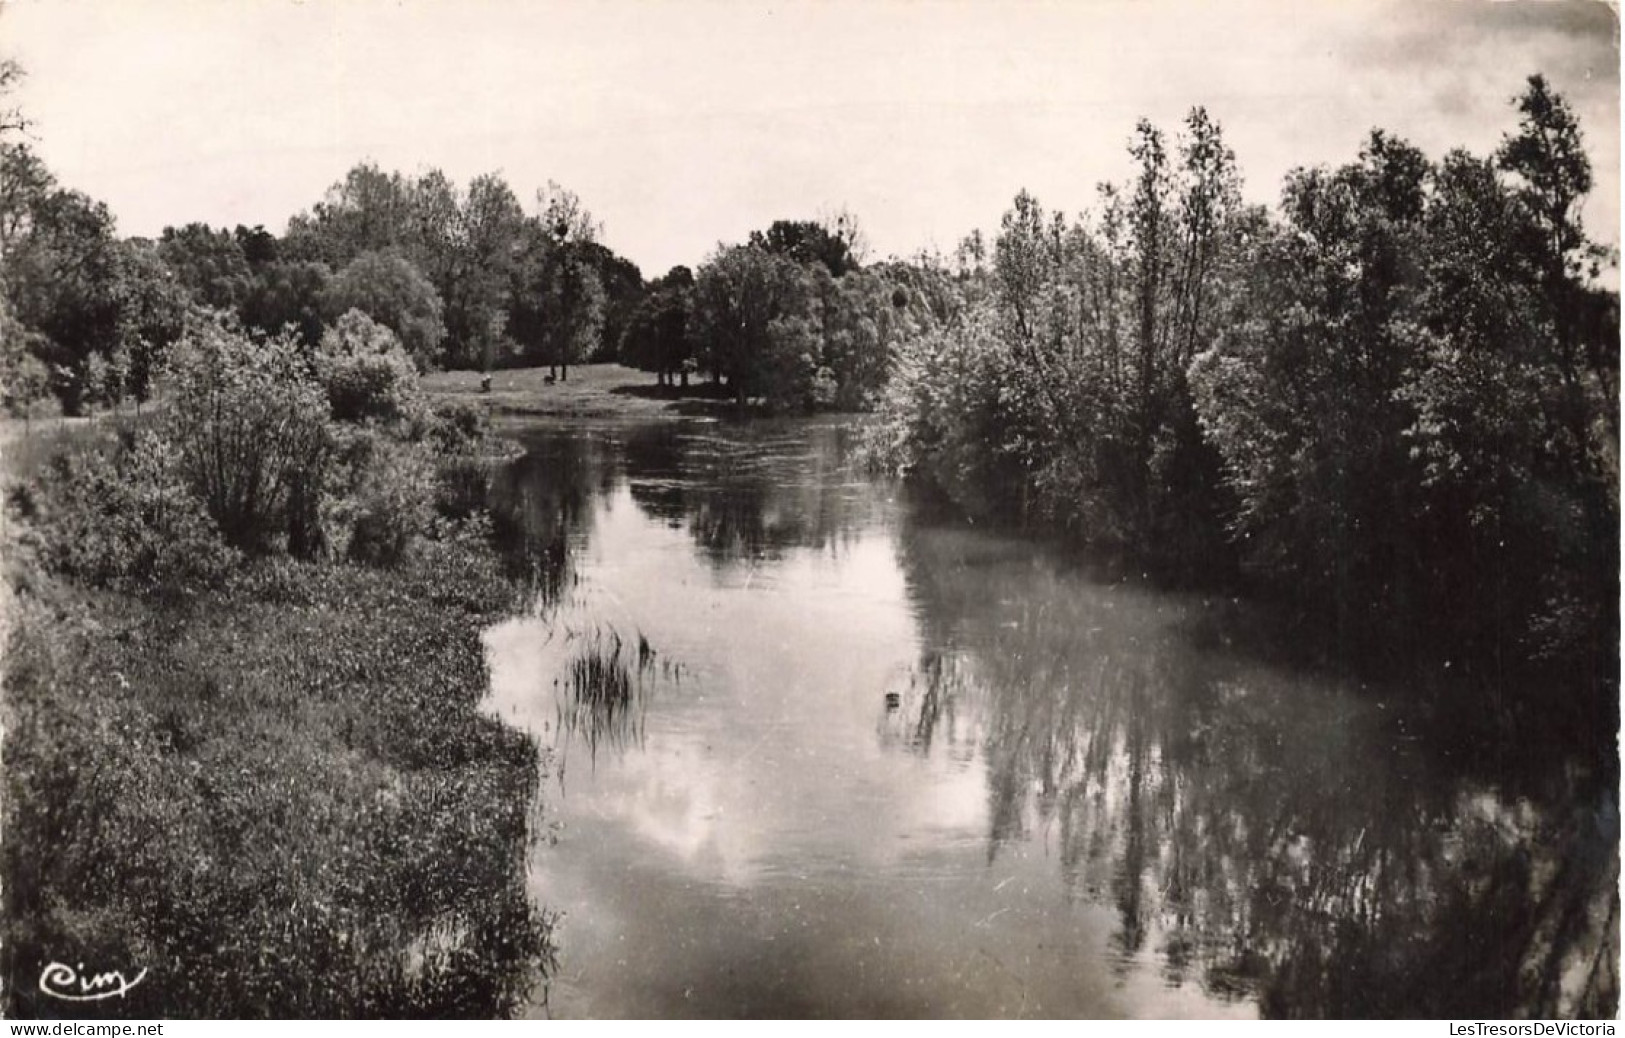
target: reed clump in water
<point>604,689</point>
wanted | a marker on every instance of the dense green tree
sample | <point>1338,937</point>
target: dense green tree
<point>24,183</point>
<point>1304,395</point>
<point>209,263</point>
<point>791,318</point>
<point>557,301</point>
<point>747,305</point>
<point>390,289</point>
<point>477,298</point>
<point>1089,328</point>
<point>1547,159</point>
<point>259,246</point>
<point>153,309</point>
<point>809,242</point>
<point>623,287</point>
<point>657,337</point>
<point>369,210</point>
<point>288,294</point>
<point>62,279</point>
<point>25,381</point>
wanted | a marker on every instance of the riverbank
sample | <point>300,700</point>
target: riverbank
<point>278,797</point>
<point>591,391</point>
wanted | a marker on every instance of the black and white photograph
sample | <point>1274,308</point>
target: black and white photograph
<point>1078,510</point>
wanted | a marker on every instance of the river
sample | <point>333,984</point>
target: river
<point>820,749</point>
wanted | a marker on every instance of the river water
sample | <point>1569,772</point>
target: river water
<point>822,750</point>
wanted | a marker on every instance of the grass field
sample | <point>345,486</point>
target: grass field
<point>592,391</point>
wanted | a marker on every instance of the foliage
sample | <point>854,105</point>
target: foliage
<point>809,242</point>
<point>1403,402</point>
<point>456,426</point>
<point>656,336</point>
<point>288,294</point>
<point>738,296</point>
<point>791,334</point>
<point>153,310</point>
<point>558,300</point>
<point>25,381</point>
<point>1081,333</point>
<point>61,279</point>
<point>1396,395</point>
<point>209,264</point>
<point>388,288</point>
<point>392,487</point>
<point>943,411</point>
<point>557,315</point>
<point>623,287</point>
<point>248,421</point>
<point>366,372</point>
<point>86,302</point>
<point>309,815</point>
<point>1302,395</point>
<point>124,518</point>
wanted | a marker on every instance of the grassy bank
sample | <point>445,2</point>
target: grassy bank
<point>278,799</point>
<point>246,770</point>
<point>591,391</point>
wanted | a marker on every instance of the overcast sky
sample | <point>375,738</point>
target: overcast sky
<point>685,124</point>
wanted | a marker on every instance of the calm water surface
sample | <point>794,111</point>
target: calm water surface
<point>875,762</point>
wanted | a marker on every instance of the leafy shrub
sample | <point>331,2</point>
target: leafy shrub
<point>366,372</point>
<point>462,486</point>
<point>456,427</point>
<point>248,423</point>
<point>125,517</point>
<point>391,492</point>
<point>25,381</point>
<point>390,289</point>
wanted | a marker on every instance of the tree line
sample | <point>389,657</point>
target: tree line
<point>464,277</point>
<point>1392,399</point>
<point>791,319</point>
<point>1394,392</point>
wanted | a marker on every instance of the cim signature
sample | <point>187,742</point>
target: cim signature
<point>59,980</point>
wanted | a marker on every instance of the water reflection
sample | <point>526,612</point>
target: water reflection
<point>916,769</point>
<point>786,485</point>
<point>740,496</point>
<point>1306,845</point>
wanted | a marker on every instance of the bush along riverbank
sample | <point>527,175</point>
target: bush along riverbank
<point>1391,405</point>
<point>245,765</point>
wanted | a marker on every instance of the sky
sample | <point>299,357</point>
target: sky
<point>682,125</point>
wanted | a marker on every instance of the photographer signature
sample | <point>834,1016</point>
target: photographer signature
<point>59,980</point>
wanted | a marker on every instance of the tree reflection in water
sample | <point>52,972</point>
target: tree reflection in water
<point>749,497</point>
<point>1265,833</point>
<point>741,493</point>
<point>1306,844</point>
<point>542,506</point>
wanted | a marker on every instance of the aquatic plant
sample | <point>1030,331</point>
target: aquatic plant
<point>604,690</point>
